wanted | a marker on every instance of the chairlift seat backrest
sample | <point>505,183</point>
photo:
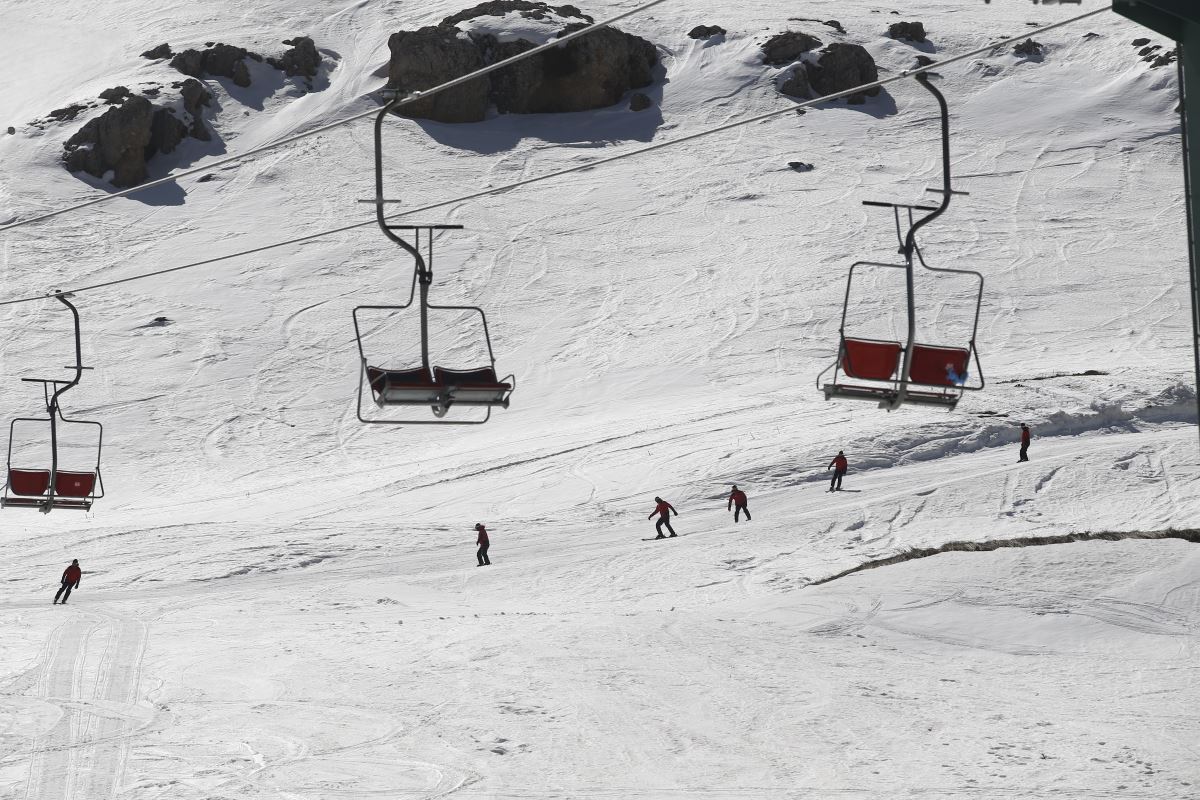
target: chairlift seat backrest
<point>932,365</point>
<point>868,359</point>
<point>74,484</point>
<point>403,387</point>
<point>29,482</point>
<point>472,385</point>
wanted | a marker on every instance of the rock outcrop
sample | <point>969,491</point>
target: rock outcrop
<point>838,67</point>
<point>302,59</point>
<point>134,130</point>
<point>1028,48</point>
<point>706,31</point>
<point>907,31</point>
<point>160,52</point>
<point>786,47</point>
<point>590,72</point>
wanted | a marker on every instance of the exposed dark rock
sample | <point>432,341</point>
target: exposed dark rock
<point>797,84</point>
<point>1140,42</point>
<point>705,31</point>
<point>593,71</point>
<point>67,112</point>
<point>639,101</point>
<point>155,53</point>
<point>11,130</point>
<point>116,140</point>
<point>800,166</point>
<point>210,176</point>
<point>1162,59</point>
<point>196,97</point>
<point>1029,48</point>
<point>302,59</point>
<point>166,132</point>
<point>433,55</point>
<point>1091,35</point>
<point>1145,51</point>
<point>908,31</point>
<point>829,23</point>
<point>924,61</point>
<point>150,91</point>
<point>786,47</point>
<point>527,8</point>
<point>223,60</point>
<point>115,95</point>
<point>842,66</point>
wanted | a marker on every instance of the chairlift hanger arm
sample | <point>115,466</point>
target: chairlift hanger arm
<point>380,218</point>
<point>946,192</point>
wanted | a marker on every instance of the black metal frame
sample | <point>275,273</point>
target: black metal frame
<point>893,393</point>
<point>422,277</point>
<point>54,416</point>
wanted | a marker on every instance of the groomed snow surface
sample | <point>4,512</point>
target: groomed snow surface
<point>279,602</point>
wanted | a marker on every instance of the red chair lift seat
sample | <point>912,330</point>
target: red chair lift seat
<point>473,387</point>
<point>931,366</point>
<point>869,359</point>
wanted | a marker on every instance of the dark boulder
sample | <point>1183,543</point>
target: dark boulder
<point>786,47</point>
<point>222,60</point>
<point>706,31</point>
<point>908,31</point>
<point>842,66</point>
<point>302,59</point>
<point>1140,42</point>
<point>1028,48</point>
<point>116,140</point>
<point>166,132</point>
<point>66,112</point>
<point>924,61</point>
<point>115,95</point>
<point>195,98</point>
<point>590,72</point>
<point>434,55</point>
<point>530,9</point>
<point>155,53</point>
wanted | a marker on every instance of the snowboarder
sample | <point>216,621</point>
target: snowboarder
<point>1025,436</point>
<point>738,497</point>
<point>70,580</point>
<point>839,466</point>
<point>663,509</point>
<point>482,541</point>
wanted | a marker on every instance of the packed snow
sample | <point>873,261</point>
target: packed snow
<point>278,601</point>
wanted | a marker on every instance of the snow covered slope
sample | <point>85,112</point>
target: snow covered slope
<point>281,602</point>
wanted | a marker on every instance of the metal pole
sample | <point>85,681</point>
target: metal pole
<point>1191,169</point>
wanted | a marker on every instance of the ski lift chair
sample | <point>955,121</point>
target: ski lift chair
<point>436,387</point>
<point>892,373</point>
<point>48,488</point>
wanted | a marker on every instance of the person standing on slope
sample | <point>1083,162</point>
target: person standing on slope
<point>1025,436</point>
<point>839,466</point>
<point>70,580</point>
<point>738,498</point>
<point>663,509</point>
<point>482,541</point>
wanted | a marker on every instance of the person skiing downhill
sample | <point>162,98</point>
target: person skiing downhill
<point>839,466</point>
<point>70,580</point>
<point>482,541</point>
<point>738,498</point>
<point>663,509</point>
<point>1025,436</point>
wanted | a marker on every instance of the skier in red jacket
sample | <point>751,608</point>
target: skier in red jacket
<point>839,465</point>
<point>70,580</point>
<point>1025,436</point>
<point>482,541</point>
<point>737,498</point>
<point>663,509</point>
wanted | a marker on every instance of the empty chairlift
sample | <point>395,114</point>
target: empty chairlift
<point>437,387</point>
<point>892,372</point>
<point>45,486</point>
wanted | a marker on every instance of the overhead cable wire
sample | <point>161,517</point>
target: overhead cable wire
<point>579,167</point>
<point>412,97</point>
